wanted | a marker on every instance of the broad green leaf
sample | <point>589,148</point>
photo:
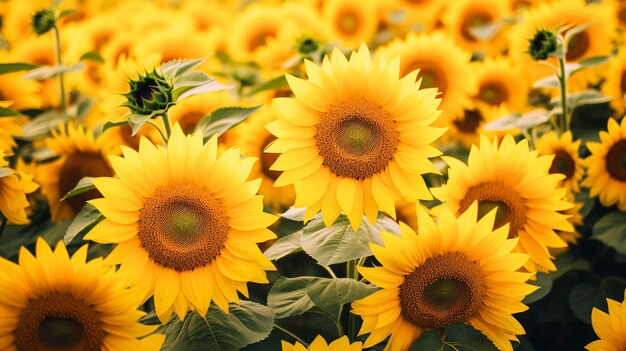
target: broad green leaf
<point>47,72</point>
<point>221,120</point>
<point>328,294</point>
<point>41,125</point>
<point>547,82</point>
<point>137,121</point>
<point>92,56</point>
<point>9,112</point>
<point>55,232</point>
<point>339,242</point>
<point>16,67</point>
<point>67,12</point>
<point>43,154</point>
<point>544,282</point>
<point>463,337</point>
<point>275,83</point>
<point>566,263</point>
<point>611,230</point>
<point>587,97</point>
<point>245,324</point>
<point>288,297</point>
<point>284,246</point>
<point>295,214</point>
<point>429,340</point>
<point>83,107</point>
<point>587,295</point>
<point>573,31</point>
<point>84,185</point>
<point>174,68</point>
<point>86,219</point>
<point>194,83</point>
<point>108,125</point>
<point>524,121</point>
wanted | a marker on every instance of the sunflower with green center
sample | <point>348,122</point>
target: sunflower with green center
<point>566,158</point>
<point>319,344</point>
<point>455,271</point>
<point>82,155</point>
<point>186,223</point>
<point>606,166</point>
<point>355,138</point>
<point>57,302</point>
<point>517,181</point>
<point>14,185</point>
<point>610,327</point>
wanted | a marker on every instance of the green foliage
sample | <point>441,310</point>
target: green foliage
<point>41,125</point>
<point>6,68</point>
<point>587,295</point>
<point>611,230</point>
<point>86,219</point>
<point>458,337</point>
<point>221,120</point>
<point>47,72</point>
<point>285,245</point>
<point>92,56</point>
<point>84,185</point>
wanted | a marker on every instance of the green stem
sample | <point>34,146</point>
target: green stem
<point>330,271</point>
<point>352,273</point>
<point>168,125</point>
<point>294,336</point>
<point>163,136</point>
<point>565,120</point>
<point>57,40</point>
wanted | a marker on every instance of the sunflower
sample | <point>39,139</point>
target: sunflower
<point>442,65</point>
<point>576,218</point>
<point>319,344</point>
<point>467,128</point>
<point>606,166</point>
<point>18,93</point>
<point>500,84</point>
<point>420,14</point>
<point>455,271</point>
<point>463,15</point>
<point>517,181</point>
<point>254,28</point>
<point>186,223</point>
<point>14,185</point>
<point>610,327</point>
<point>191,110</point>
<point>10,127</point>
<point>253,138</point>
<point>615,83</point>
<point>566,158</point>
<point>82,155</point>
<point>352,22</point>
<point>54,302</point>
<point>355,138</point>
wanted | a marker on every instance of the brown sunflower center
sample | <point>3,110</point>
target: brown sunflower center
<point>260,39</point>
<point>510,206</point>
<point>472,20</point>
<point>493,93</point>
<point>445,289</point>
<point>578,46</point>
<point>267,159</point>
<point>348,22</point>
<point>616,160</point>
<point>622,82</point>
<point>188,121</point>
<point>59,322</point>
<point>77,166</point>
<point>431,75</point>
<point>357,139</point>
<point>563,163</point>
<point>621,13</point>
<point>183,226</point>
<point>470,122</point>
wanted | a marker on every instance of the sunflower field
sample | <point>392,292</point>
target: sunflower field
<point>323,175</point>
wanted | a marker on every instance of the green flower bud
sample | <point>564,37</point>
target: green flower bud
<point>307,45</point>
<point>149,93</point>
<point>43,21</point>
<point>542,45</point>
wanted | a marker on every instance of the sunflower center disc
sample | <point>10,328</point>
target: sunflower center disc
<point>510,206</point>
<point>183,226</point>
<point>445,289</point>
<point>563,163</point>
<point>267,159</point>
<point>348,22</point>
<point>77,166</point>
<point>578,46</point>
<point>260,39</point>
<point>493,93</point>
<point>622,83</point>
<point>59,322</point>
<point>616,160</point>
<point>470,122</point>
<point>357,139</point>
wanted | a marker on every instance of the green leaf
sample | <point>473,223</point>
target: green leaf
<point>16,67</point>
<point>92,56</point>
<point>174,68</point>
<point>194,83</point>
<point>288,297</point>
<point>275,83</point>
<point>485,32</point>
<point>339,242</point>
<point>429,340</point>
<point>587,97</point>
<point>572,32</point>
<point>567,262</point>
<point>221,120</point>
<point>524,121</point>
<point>47,72</point>
<point>84,185</point>
<point>86,219</point>
<point>611,230</point>
<point>9,112</point>
<point>83,107</point>
<point>136,122</point>
<point>247,323</point>
<point>67,12</point>
<point>41,125</point>
<point>544,282</point>
<point>583,298</point>
<point>463,337</point>
<point>285,245</point>
<point>108,125</point>
<point>55,231</point>
<point>295,214</point>
<point>547,82</point>
<point>328,294</point>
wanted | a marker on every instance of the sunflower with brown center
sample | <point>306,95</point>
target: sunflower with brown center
<point>517,181</point>
<point>186,223</point>
<point>14,185</point>
<point>501,84</point>
<point>82,155</point>
<point>610,327</point>
<point>355,138</point>
<point>455,271</point>
<point>566,158</point>
<point>606,166</point>
<point>54,302</point>
<point>352,22</point>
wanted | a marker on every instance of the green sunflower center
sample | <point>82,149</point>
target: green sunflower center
<point>182,226</point>
<point>493,93</point>
<point>348,22</point>
<point>470,122</point>
<point>73,169</point>
<point>616,161</point>
<point>357,139</point>
<point>563,163</point>
<point>59,322</point>
<point>578,46</point>
<point>510,206</point>
<point>445,289</point>
<point>472,20</point>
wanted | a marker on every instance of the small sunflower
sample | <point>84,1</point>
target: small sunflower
<point>421,14</point>
<point>14,185</point>
<point>442,65</point>
<point>606,166</point>
<point>319,344</point>
<point>355,138</point>
<point>186,223</point>
<point>18,93</point>
<point>352,22</point>
<point>54,302</point>
<point>253,138</point>
<point>254,27</point>
<point>610,327</point>
<point>517,181</point>
<point>566,158</point>
<point>500,84</point>
<point>10,127</point>
<point>615,83</point>
<point>455,271</point>
<point>82,155</point>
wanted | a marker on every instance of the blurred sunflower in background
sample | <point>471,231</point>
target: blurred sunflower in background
<point>319,344</point>
<point>351,22</point>
<point>615,83</point>
<point>14,185</point>
<point>566,160</point>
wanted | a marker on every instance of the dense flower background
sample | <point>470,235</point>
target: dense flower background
<point>320,175</point>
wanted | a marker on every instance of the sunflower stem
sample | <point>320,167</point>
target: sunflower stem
<point>330,271</point>
<point>565,119</point>
<point>163,136</point>
<point>168,125</point>
<point>352,273</point>
<point>57,40</point>
<point>294,336</point>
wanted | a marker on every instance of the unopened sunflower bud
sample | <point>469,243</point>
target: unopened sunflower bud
<point>542,45</point>
<point>43,21</point>
<point>307,45</point>
<point>149,93</point>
